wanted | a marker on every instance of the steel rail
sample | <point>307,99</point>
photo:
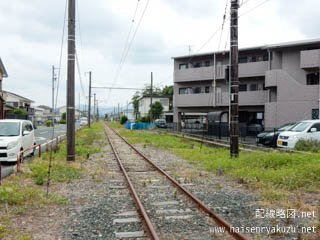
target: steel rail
<point>194,199</point>
<point>147,222</point>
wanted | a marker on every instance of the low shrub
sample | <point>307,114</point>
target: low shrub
<point>49,123</point>
<point>308,146</point>
<point>62,121</point>
<point>123,119</point>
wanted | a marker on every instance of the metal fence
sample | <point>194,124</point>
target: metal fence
<point>216,130</point>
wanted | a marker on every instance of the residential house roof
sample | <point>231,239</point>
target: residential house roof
<point>261,47</point>
<point>44,107</point>
<point>3,69</point>
<point>18,96</point>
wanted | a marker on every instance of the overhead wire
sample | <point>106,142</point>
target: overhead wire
<point>57,94</point>
<point>129,47</point>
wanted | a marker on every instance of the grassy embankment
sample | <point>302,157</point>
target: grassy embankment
<point>24,192</point>
<point>274,174</point>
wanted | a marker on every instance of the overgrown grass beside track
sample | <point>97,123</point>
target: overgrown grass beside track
<point>273,173</point>
<point>24,192</point>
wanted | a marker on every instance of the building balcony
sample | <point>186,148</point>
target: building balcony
<point>193,74</point>
<point>251,98</point>
<point>252,69</point>
<point>310,59</point>
<point>272,76</point>
<point>193,100</point>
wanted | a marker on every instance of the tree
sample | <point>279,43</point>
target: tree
<point>19,111</point>
<point>155,91</point>
<point>123,119</point>
<point>167,91</point>
<point>157,110</point>
<point>135,102</point>
<point>64,116</point>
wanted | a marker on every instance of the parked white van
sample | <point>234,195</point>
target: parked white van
<point>15,135</point>
<point>308,130</point>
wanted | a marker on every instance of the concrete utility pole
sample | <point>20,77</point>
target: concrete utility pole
<point>97,110</point>
<point>118,112</point>
<point>234,81</point>
<point>79,106</point>
<point>151,92</point>
<point>94,107</point>
<point>70,81</point>
<point>127,108</point>
<point>53,80</point>
<point>89,104</point>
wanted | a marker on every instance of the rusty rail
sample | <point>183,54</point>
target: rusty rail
<point>194,199</point>
<point>147,222</point>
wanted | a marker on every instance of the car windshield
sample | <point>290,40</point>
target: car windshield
<point>285,127</point>
<point>300,127</point>
<point>9,129</point>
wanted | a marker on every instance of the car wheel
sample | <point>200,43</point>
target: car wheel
<point>21,158</point>
<point>34,150</point>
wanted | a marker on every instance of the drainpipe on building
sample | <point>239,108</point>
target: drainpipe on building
<point>214,79</point>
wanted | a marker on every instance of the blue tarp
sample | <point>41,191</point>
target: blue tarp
<point>140,125</point>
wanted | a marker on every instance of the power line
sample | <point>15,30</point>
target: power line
<point>57,94</point>
<point>129,46</point>
<point>79,73</point>
<point>254,8</point>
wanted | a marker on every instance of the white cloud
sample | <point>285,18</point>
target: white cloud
<point>31,34</point>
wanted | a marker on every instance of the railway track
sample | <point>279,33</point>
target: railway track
<point>166,208</point>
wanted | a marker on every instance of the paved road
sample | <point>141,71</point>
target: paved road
<point>42,134</point>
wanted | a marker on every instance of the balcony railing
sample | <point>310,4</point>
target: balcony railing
<point>310,59</point>
<point>252,69</point>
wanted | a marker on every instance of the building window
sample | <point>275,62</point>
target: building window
<point>266,57</point>
<point>189,90</point>
<point>313,78</point>
<point>196,65</point>
<point>207,63</point>
<point>183,66</point>
<point>164,101</point>
<point>207,89</point>
<point>253,58</point>
<point>253,87</point>
<point>243,59</point>
<point>182,91</point>
<point>197,90</point>
<point>242,87</point>
<point>315,114</point>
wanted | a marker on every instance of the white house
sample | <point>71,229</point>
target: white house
<point>78,114</point>
<point>145,101</point>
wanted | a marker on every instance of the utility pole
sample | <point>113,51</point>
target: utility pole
<point>89,104</point>
<point>234,81</point>
<point>118,112</point>
<point>97,110</point>
<point>53,80</point>
<point>79,107</point>
<point>94,107</point>
<point>151,92</point>
<point>114,114</point>
<point>127,108</point>
<point>70,81</point>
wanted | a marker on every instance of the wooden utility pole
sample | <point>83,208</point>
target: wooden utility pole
<point>94,107</point>
<point>151,92</point>
<point>234,81</point>
<point>70,81</point>
<point>89,104</point>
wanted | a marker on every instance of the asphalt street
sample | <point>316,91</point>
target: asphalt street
<point>42,134</point>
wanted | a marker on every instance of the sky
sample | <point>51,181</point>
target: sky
<point>32,36</point>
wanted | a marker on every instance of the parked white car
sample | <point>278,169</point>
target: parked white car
<point>15,135</point>
<point>308,130</point>
<point>83,121</point>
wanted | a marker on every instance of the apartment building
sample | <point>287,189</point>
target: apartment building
<point>278,83</point>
